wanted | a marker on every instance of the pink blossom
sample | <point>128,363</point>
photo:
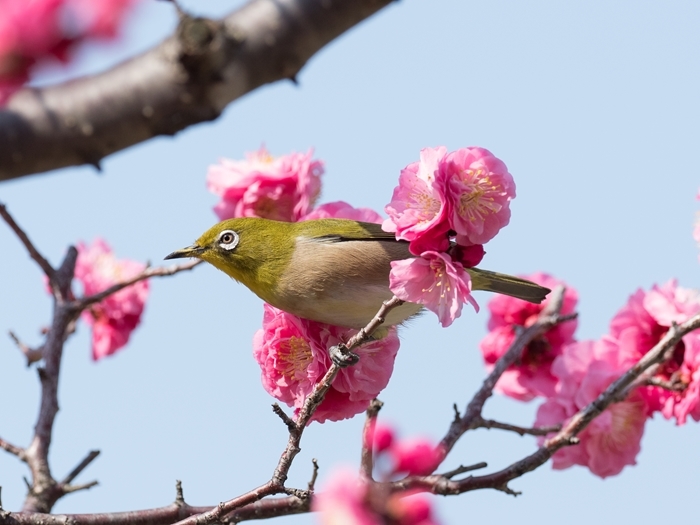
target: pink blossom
<point>639,326</point>
<point>293,356</point>
<point>612,440</point>
<point>531,375</point>
<point>283,188</point>
<point>344,501</point>
<point>114,318</point>
<point>418,209</point>
<point>379,437</point>
<point>347,499</point>
<point>479,191</point>
<point>34,30</point>
<point>434,280</point>
<point>417,456</point>
<point>343,210</point>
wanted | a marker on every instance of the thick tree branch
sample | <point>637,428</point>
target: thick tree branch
<point>187,79</point>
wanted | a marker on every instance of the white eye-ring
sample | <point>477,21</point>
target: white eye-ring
<point>228,239</point>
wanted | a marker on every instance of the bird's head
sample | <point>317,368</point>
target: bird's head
<point>253,251</point>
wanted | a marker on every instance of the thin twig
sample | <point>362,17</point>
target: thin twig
<point>158,271</point>
<point>288,421</point>
<point>462,469</point>
<point>33,252</point>
<point>364,334</point>
<point>179,493</point>
<point>314,475</point>
<point>366,459</point>
<point>12,449</point>
<point>535,431</point>
<point>31,354</point>
<point>80,467</point>
<point>67,489</point>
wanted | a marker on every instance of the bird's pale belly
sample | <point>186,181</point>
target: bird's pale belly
<point>351,308</point>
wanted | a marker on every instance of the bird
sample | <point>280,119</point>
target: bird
<point>333,271</point>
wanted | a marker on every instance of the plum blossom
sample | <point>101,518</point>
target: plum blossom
<point>447,205</point>
<point>612,440</point>
<point>347,499</point>
<point>33,30</point>
<point>293,357</point>
<point>343,210</point>
<point>115,317</point>
<point>418,209</point>
<point>413,456</point>
<point>531,375</point>
<point>434,280</point>
<point>283,188</point>
<point>479,191</point>
<point>641,323</point>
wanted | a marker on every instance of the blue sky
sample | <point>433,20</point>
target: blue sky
<point>593,106</point>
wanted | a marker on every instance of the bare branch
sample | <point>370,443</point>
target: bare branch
<point>31,354</point>
<point>462,469</point>
<point>288,421</point>
<point>80,467</point>
<point>67,489</point>
<point>314,475</point>
<point>160,271</point>
<point>12,449</point>
<point>187,79</point>
<point>536,431</point>
<point>366,459</point>
<point>33,252</point>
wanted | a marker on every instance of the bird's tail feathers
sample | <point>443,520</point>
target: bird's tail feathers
<point>507,285</point>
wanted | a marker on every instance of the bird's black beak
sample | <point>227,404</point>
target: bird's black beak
<point>191,251</point>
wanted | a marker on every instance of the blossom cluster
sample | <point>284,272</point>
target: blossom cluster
<point>447,205</point>
<point>115,317</point>
<point>293,356</point>
<point>34,30</point>
<point>279,188</point>
<point>571,374</point>
<point>353,500</point>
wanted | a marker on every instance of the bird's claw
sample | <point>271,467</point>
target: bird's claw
<point>342,357</point>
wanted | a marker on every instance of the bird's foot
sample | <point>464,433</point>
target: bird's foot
<point>341,356</point>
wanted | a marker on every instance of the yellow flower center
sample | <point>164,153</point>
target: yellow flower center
<point>477,201</point>
<point>294,356</point>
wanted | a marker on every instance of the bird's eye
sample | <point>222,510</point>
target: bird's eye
<point>228,239</point>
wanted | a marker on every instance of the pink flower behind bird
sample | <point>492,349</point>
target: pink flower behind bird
<point>639,326</point>
<point>434,280</point>
<point>114,318</point>
<point>612,440</point>
<point>343,210</point>
<point>283,188</point>
<point>293,356</point>
<point>531,375</point>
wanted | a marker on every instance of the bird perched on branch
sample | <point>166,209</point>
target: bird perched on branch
<point>334,271</point>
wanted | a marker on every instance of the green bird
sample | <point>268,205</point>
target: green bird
<point>334,271</point>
